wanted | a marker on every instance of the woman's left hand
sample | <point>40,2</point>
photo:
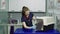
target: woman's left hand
<point>33,27</point>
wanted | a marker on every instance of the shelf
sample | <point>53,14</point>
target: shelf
<point>10,24</point>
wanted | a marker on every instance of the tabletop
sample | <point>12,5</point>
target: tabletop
<point>32,31</point>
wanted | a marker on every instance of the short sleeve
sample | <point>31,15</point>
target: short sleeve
<point>32,14</point>
<point>22,19</point>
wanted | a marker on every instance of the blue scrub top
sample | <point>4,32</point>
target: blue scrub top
<point>28,20</point>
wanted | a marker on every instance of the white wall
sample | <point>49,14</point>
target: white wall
<point>34,5</point>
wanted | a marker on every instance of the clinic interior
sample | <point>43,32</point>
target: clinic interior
<point>10,10</point>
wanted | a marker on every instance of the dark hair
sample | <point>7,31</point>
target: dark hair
<point>24,9</point>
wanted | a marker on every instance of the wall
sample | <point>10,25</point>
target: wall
<point>3,20</point>
<point>55,11</point>
<point>18,15</point>
<point>33,5</point>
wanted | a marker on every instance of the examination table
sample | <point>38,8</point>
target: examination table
<point>32,31</point>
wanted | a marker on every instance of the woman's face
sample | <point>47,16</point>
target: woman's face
<point>27,12</point>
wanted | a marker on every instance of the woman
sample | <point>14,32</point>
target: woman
<point>27,18</point>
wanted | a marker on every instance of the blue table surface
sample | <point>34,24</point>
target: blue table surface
<point>20,31</point>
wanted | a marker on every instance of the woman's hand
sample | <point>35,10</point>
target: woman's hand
<point>33,18</point>
<point>33,27</point>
